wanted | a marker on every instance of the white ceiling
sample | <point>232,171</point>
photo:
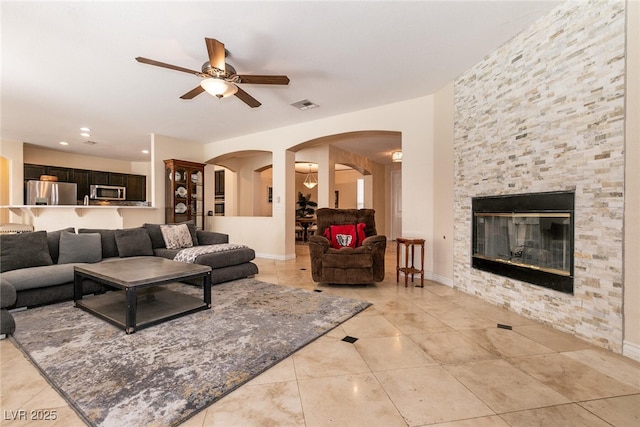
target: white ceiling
<point>66,65</point>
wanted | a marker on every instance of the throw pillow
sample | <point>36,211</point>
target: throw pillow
<point>24,250</point>
<point>108,238</point>
<point>133,242</point>
<point>53,238</point>
<point>176,236</point>
<point>86,247</point>
<point>345,236</point>
<point>157,239</point>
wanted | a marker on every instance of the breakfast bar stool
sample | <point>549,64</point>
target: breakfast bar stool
<point>409,243</point>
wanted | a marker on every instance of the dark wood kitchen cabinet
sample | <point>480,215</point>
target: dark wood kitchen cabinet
<point>32,172</point>
<point>63,174</point>
<point>82,179</point>
<point>99,178</point>
<point>118,179</point>
<point>137,188</point>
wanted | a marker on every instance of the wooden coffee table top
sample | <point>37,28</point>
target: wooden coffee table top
<point>138,271</point>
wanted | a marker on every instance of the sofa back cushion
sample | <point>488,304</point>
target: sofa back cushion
<point>133,242</point>
<point>107,239</point>
<point>53,239</point>
<point>85,247</point>
<point>24,250</point>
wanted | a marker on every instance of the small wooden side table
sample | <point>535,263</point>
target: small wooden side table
<point>409,244</point>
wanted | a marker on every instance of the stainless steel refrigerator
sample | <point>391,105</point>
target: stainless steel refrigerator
<point>51,193</point>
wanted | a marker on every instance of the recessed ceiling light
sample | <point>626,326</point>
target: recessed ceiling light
<point>85,129</point>
<point>85,134</point>
<point>64,143</point>
<point>145,151</point>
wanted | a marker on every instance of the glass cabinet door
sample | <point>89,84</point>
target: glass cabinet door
<point>184,192</point>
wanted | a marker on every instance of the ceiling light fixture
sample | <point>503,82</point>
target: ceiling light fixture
<point>145,151</point>
<point>64,143</point>
<point>85,129</point>
<point>396,156</point>
<point>310,181</point>
<point>218,87</point>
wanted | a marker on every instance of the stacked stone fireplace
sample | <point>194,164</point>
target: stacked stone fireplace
<point>545,114</point>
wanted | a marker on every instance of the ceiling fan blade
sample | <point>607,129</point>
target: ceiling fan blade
<point>264,80</point>
<point>248,99</point>
<point>216,53</point>
<point>169,66</point>
<point>193,93</point>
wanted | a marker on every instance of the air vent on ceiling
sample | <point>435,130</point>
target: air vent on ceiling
<point>305,104</point>
<point>90,142</point>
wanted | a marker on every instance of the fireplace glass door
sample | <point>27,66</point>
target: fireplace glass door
<point>528,237</point>
<point>534,240</point>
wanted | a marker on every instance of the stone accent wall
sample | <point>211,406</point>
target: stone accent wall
<point>545,112</point>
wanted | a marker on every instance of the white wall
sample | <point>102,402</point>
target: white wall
<point>631,344</point>
<point>273,237</point>
<point>42,156</point>
<point>443,185</point>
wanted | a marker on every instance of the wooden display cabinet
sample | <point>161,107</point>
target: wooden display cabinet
<point>184,192</point>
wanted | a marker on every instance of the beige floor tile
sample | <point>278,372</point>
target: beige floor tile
<point>391,332</point>
<point>552,338</point>
<point>352,400</point>
<point>618,411</point>
<point>461,318</point>
<point>328,357</point>
<point>282,372</point>
<point>616,366</point>
<point>563,415</point>
<point>504,342</point>
<point>570,378</point>
<point>503,387</point>
<point>451,347</point>
<point>492,421</point>
<point>503,316</point>
<point>388,353</point>
<point>428,395</point>
<point>370,327</point>
<point>276,405</point>
<point>416,323</point>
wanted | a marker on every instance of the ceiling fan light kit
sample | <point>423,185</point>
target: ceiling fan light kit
<point>218,87</point>
<point>220,79</point>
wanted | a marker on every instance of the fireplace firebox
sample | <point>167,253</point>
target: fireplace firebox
<point>528,237</point>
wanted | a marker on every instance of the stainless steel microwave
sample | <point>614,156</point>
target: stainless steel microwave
<point>108,192</point>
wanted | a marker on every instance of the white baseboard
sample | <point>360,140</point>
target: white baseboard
<point>286,257</point>
<point>441,279</point>
<point>631,350</point>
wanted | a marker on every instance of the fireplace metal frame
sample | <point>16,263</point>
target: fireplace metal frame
<point>557,202</point>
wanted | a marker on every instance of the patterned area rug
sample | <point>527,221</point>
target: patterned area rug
<point>165,374</point>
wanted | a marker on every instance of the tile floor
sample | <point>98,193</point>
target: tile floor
<point>424,356</point>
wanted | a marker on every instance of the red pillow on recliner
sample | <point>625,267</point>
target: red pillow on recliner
<point>345,236</point>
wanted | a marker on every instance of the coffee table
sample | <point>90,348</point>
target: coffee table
<point>141,300</point>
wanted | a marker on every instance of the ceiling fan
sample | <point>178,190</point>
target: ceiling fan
<point>221,79</point>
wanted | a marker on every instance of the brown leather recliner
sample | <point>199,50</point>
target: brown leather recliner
<point>363,264</point>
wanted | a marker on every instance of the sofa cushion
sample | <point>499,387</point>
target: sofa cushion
<point>85,247</point>
<point>53,239</point>
<point>176,236</point>
<point>157,239</point>
<point>24,250</point>
<point>40,277</point>
<point>108,240</point>
<point>133,242</point>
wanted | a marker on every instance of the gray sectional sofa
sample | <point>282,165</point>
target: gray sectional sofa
<point>37,268</point>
